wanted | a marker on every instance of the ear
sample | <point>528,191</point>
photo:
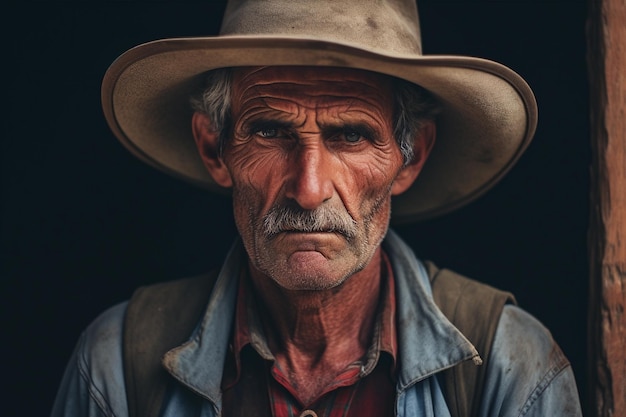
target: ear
<point>207,142</point>
<point>423,145</point>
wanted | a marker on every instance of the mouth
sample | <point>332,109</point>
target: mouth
<point>298,241</point>
<point>311,233</point>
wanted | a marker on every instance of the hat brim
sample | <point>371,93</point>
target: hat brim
<point>488,116</point>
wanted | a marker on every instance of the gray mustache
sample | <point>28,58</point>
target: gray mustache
<point>323,219</point>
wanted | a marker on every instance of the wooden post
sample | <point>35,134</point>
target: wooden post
<point>606,34</point>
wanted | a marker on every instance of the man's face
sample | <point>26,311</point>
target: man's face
<point>312,159</point>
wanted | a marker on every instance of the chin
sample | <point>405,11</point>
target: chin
<point>312,284</point>
<point>311,279</point>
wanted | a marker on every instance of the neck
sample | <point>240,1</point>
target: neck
<point>321,332</point>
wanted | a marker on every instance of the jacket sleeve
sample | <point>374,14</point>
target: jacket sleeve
<point>528,374</point>
<point>93,382</point>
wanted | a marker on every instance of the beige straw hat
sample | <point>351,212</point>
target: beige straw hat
<point>488,118</point>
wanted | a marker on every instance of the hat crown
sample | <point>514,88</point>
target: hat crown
<point>384,26</point>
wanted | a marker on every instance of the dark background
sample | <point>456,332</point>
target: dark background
<point>84,222</point>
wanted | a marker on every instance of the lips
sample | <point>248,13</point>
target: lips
<point>347,235</point>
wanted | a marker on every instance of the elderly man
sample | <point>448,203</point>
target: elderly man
<point>316,115</point>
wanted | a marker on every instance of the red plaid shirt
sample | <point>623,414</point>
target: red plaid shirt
<point>254,385</point>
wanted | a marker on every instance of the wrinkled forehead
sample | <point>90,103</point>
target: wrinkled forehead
<point>340,82</point>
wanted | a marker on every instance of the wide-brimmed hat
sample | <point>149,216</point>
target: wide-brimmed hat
<point>488,116</point>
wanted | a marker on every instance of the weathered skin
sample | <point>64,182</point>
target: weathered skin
<point>311,139</point>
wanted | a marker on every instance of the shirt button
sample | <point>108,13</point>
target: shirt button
<point>308,413</point>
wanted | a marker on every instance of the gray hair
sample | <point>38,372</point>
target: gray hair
<point>413,106</point>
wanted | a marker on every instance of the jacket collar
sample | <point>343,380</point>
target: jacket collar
<point>427,341</point>
<point>199,362</point>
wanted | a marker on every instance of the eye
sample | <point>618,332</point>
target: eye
<point>352,136</point>
<point>267,133</point>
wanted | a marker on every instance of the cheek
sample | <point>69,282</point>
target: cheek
<point>371,178</point>
<point>252,164</point>
<point>256,173</point>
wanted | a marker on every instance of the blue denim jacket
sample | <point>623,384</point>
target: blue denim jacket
<point>527,373</point>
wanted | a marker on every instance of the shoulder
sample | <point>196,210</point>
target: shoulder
<point>527,372</point>
<point>93,383</point>
<point>521,338</point>
<point>172,294</point>
<point>102,339</point>
<point>100,359</point>
<point>521,331</point>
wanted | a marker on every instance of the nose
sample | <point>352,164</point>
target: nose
<point>311,182</point>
